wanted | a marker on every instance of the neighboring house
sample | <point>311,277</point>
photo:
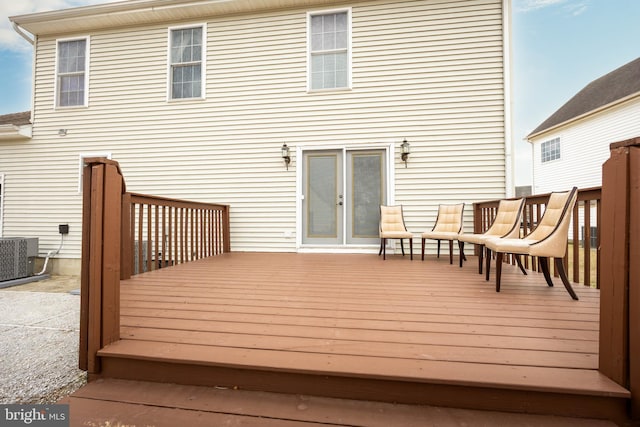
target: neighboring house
<point>195,100</point>
<point>570,147</point>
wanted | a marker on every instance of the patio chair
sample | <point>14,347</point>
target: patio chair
<point>547,240</point>
<point>392,227</point>
<point>448,227</point>
<point>506,224</point>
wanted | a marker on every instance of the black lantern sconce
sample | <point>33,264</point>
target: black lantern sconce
<point>285,155</point>
<point>405,150</point>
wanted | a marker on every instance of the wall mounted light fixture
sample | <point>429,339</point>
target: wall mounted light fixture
<point>285,155</point>
<point>405,150</point>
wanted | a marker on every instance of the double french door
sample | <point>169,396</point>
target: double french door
<point>342,193</point>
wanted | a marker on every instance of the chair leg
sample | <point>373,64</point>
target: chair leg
<point>423,249</point>
<point>563,277</point>
<point>480,259</point>
<point>520,264</point>
<point>411,249</point>
<point>488,268</point>
<point>402,246</point>
<point>499,256</point>
<point>544,266</point>
<point>380,251</point>
<point>384,248</point>
<point>461,252</point>
<point>451,252</point>
<point>438,248</point>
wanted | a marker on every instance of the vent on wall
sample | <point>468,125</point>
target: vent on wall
<point>17,255</point>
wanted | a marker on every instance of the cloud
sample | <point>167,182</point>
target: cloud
<point>576,9</point>
<point>573,7</point>
<point>9,38</point>
<point>529,5</point>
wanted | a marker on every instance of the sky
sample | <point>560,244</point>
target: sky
<point>557,48</point>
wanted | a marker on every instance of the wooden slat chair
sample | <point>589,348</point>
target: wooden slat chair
<point>547,240</point>
<point>448,226</point>
<point>506,224</point>
<point>392,227</point>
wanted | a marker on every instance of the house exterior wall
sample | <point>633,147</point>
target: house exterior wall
<point>584,147</point>
<point>430,71</point>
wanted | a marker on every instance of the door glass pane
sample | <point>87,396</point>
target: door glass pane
<point>367,194</point>
<point>322,196</point>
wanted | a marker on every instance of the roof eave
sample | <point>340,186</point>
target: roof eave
<point>13,132</point>
<point>139,12</point>
<point>555,127</point>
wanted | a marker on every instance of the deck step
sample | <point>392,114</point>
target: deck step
<point>584,393</point>
<point>121,402</point>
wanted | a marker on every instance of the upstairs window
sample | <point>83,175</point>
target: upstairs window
<point>550,150</point>
<point>71,72</point>
<point>329,53</point>
<point>186,63</point>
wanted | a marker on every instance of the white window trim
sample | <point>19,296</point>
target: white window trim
<point>559,139</point>
<point>349,50</point>
<point>86,74</point>
<point>81,164</point>
<point>203,77</point>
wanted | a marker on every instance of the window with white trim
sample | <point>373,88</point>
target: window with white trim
<point>550,150</point>
<point>186,62</point>
<point>72,64</point>
<point>329,50</point>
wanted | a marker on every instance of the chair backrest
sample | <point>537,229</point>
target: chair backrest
<point>449,218</point>
<point>506,224</point>
<point>553,229</point>
<point>391,219</point>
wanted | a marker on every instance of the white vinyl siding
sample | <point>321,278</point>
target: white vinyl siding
<point>428,71</point>
<point>186,62</point>
<point>585,147</point>
<point>1,200</point>
<point>329,49</point>
<point>72,70</point>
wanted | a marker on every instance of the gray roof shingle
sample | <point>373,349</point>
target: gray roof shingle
<point>617,84</point>
<point>17,119</point>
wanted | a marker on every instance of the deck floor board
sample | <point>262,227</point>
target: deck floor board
<point>356,315</point>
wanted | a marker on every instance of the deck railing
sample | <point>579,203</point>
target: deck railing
<point>583,251</point>
<point>126,233</point>
<point>159,232</point>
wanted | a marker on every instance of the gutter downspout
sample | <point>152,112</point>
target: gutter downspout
<point>508,137</point>
<point>24,35</point>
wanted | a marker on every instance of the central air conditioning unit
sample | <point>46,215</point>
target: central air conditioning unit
<point>17,255</point>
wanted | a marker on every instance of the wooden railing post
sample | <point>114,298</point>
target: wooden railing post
<point>103,187</point>
<point>620,280</point>
<point>226,227</point>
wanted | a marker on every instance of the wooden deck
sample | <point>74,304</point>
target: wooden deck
<point>357,327</point>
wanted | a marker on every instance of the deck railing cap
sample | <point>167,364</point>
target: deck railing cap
<point>633,142</point>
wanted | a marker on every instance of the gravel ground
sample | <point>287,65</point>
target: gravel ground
<point>39,341</point>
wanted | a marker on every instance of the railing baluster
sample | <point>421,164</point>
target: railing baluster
<point>576,243</point>
<point>587,243</point>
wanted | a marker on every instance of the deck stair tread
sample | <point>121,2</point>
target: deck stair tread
<point>562,380</point>
<point>122,402</point>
